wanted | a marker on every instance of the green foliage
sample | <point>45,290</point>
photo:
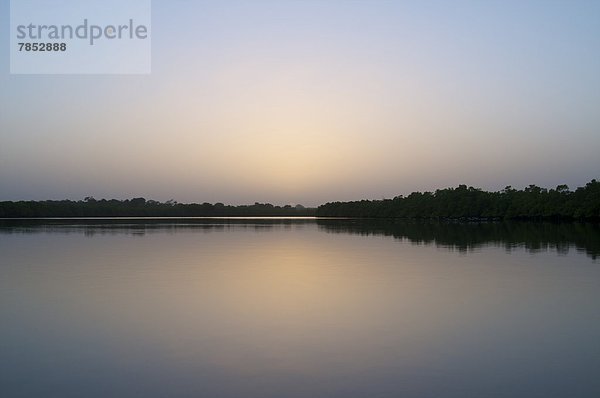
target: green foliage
<point>465,202</point>
<point>140,207</point>
<point>461,202</point>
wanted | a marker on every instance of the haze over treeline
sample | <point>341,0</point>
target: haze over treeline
<point>461,202</point>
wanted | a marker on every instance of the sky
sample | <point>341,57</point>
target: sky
<point>314,101</point>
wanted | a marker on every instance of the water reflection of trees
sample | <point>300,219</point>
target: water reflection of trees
<point>469,236</point>
<point>461,236</point>
<point>141,227</point>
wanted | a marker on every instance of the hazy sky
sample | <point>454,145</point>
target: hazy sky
<point>314,101</point>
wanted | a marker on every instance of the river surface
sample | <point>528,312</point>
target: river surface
<point>298,308</point>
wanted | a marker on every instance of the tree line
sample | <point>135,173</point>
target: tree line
<point>140,207</point>
<point>465,202</point>
<point>461,202</point>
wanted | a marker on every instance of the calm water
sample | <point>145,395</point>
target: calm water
<point>305,308</point>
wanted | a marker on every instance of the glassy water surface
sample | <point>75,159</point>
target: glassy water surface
<point>298,308</point>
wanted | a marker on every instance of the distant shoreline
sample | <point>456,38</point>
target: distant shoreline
<point>469,203</point>
<point>462,203</point>
<point>458,220</point>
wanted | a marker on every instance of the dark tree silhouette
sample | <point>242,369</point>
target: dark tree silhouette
<point>465,202</point>
<point>140,207</point>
